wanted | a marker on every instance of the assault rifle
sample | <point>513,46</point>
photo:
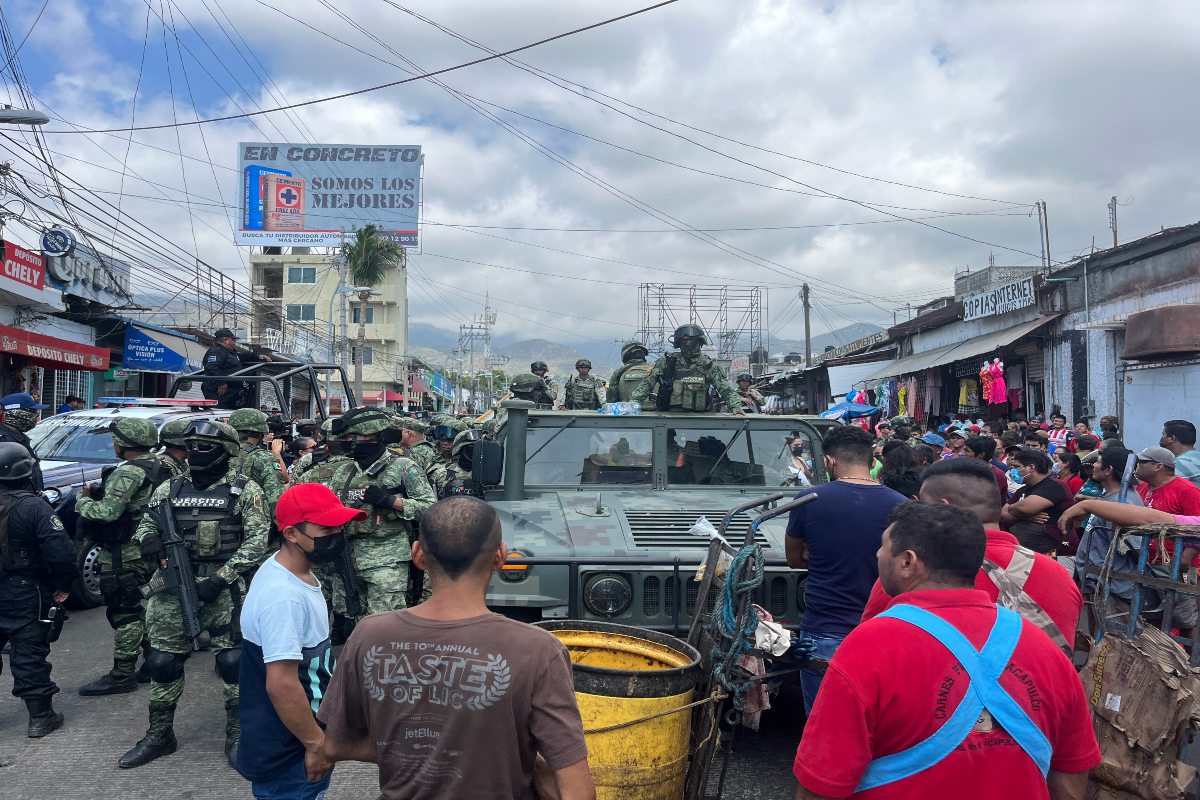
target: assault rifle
<point>667,383</point>
<point>345,570</point>
<point>177,575</point>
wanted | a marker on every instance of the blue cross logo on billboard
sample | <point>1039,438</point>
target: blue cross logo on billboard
<point>288,197</point>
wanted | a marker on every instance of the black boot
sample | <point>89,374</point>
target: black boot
<point>43,719</point>
<point>119,681</point>
<point>159,739</point>
<point>233,733</point>
<point>143,672</point>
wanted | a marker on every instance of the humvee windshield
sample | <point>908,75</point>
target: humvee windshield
<point>589,456</point>
<point>753,457</point>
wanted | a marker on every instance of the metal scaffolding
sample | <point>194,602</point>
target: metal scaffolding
<point>731,316</point>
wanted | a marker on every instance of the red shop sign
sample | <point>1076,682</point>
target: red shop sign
<point>52,352</point>
<point>24,267</point>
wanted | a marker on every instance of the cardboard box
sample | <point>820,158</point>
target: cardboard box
<point>1144,688</point>
<point>1148,776</point>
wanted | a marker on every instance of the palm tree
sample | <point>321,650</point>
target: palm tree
<point>369,258</point>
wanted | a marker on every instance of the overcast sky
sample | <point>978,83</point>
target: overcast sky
<point>1001,103</point>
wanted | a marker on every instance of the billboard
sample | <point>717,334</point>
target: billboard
<point>309,194</point>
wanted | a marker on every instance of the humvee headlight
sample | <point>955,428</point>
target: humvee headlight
<point>607,595</point>
<point>514,572</point>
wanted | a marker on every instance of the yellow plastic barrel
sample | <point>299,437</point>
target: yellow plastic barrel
<point>623,675</point>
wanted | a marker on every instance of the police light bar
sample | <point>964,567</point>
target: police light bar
<point>153,401</point>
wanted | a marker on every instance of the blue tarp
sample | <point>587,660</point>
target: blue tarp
<point>845,410</point>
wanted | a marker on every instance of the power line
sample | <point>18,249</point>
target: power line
<point>12,58</point>
<point>388,85</point>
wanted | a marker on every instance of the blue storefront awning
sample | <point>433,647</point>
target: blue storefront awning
<point>152,349</point>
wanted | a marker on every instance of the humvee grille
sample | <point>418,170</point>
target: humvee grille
<point>668,530</point>
<point>651,596</point>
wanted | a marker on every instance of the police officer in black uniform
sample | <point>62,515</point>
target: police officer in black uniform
<point>223,358</point>
<point>37,568</point>
<point>18,415</point>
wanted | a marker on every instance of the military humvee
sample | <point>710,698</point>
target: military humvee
<point>600,508</point>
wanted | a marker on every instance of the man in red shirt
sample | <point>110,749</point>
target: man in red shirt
<point>1161,490</point>
<point>911,707</point>
<point>1035,586</point>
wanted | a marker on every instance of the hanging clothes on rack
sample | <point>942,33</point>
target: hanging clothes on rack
<point>999,387</point>
<point>902,400</point>
<point>985,382</point>
<point>933,392</point>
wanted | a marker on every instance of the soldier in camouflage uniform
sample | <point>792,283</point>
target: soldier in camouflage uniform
<point>688,375</point>
<point>108,517</point>
<point>528,386</point>
<point>540,369</point>
<point>223,518</point>
<point>752,400</point>
<point>443,435</point>
<point>582,391</point>
<point>319,465</point>
<point>394,493</point>
<point>633,370</point>
<point>257,464</point>
<point>411,443</point>
<point>457,477</point>
<point>174,445</point>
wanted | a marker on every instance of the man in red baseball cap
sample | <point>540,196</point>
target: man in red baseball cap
<point>286,661</point>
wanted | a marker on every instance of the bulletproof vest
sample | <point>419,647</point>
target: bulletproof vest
<point>207,520</point>
<point>120,531</point>
<point>631,379</point>
<point>689,389</point>
<point>462,486</point>
<point>581,393</point>
<point>321,471</point>
<point>238,462</point>
<point>9,559</point>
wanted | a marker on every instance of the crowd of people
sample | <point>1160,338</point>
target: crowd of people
<point>949,570</point>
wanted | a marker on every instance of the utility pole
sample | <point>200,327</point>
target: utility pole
<point>1112,218</point>
<point>807,328</point>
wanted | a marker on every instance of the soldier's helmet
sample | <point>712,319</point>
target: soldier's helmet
<point>745,376</point>
<point>465,441</point>
<point>525,383</point>
<point>449,428</point>
<point>689,331</point>
<point>538,366</point>
<point>172,432</point>
<point>16,464</point>
<point>249,420</point>
<point>136,433</point>
<point>210,430</point>
<point>362,421</point>
<point>633,349</point>
<point>583,362</point>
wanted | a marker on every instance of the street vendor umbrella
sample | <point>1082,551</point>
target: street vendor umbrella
<point>846,410</point>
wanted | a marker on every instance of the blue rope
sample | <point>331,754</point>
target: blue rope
<point>738,633</point>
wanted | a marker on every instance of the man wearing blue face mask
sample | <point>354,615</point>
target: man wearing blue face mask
<point>286,658</point>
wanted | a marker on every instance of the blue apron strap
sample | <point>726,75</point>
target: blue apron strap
<point>984,668</point>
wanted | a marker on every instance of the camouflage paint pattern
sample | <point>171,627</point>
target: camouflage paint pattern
<point>165,626</point>
<point>259,466</point>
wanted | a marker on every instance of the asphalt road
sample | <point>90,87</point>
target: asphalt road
<point>79,761</point>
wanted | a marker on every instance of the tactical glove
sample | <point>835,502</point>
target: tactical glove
<point>379,497</point>
<point>209,589</point>
<point>152,546</point>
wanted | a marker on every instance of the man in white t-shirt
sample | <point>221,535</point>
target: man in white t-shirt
<point>286,661</point>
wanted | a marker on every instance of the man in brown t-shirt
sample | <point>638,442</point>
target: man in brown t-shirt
<point>450,700</point>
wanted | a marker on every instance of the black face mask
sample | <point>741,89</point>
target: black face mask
<point>367,453</point>
<point>326,549</point>
<point>207,461</point>
<point>797,450</point>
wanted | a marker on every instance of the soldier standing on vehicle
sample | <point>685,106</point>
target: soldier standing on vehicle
<point>259,465</point>
<point>18,416</point>
<point>633,370</point>
<point>223,519</point>
<point>223,358</point>
<point>444,431</point>
<point>394,493</point>
<point>528,386</point>
<point>540,369</point>
<point>109,517</point>
<point>681,381</point>
<point>582,391</point>
<point>752,401</point>
<point>37,566</point>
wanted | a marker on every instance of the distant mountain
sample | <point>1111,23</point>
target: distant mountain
<point>835,338</point>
